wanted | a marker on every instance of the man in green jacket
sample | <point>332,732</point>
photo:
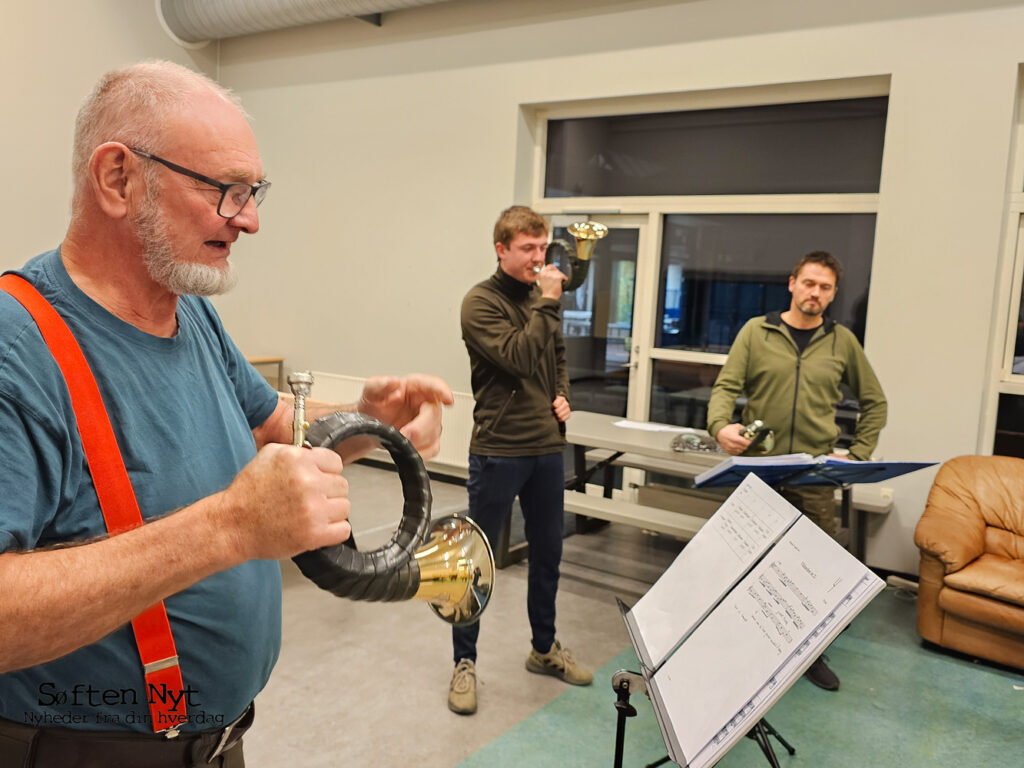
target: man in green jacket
<point>789,365</point>
<point>512,327</point>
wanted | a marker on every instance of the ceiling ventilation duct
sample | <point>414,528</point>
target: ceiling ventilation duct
<point>194,23</point>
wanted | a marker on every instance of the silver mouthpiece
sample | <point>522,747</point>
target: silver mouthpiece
<point>537,269</point>
<point>300,382</point>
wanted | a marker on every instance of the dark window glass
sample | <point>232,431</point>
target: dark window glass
<point>597,323</point>
<point>680,393</point>
<point>1018,340</point>
<point>811,147</point>
<point>1009,440</point>
<point>720,270</point>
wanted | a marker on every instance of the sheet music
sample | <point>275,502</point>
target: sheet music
<point>746,464</point>
<point>733,539</point>
<point>647,426</point>
<point>782,609</point>
<point>794,667</point>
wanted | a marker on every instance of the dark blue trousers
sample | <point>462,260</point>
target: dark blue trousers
<point>539,481</point>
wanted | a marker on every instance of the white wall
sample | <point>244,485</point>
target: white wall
<point>392,150</point>
<point>51,54</point>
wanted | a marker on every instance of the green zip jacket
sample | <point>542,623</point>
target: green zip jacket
<point>796,395</point>
<point>517,366</point>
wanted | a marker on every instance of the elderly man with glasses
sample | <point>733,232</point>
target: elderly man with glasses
<point>140,638</point>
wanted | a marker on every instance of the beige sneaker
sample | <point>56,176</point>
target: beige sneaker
<point>560,663</point>
<point>462,691</point>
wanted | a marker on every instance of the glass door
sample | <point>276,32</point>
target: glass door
<point>598,317</point>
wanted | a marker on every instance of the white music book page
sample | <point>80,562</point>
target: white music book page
<point>726,547</point>
<point>756,642</point>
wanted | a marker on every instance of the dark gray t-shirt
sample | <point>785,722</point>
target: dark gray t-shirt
<point>802,336</point>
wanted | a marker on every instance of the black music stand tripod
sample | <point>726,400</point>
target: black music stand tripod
<point>625,683</point>
<point>760,733</point>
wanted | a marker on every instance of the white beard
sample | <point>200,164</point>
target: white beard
<point>179,277</point>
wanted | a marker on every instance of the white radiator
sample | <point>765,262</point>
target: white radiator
<point>456,421</point>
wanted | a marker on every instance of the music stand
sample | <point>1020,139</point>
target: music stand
<point>760,733</point>
<point>625,683</point>
<point>739,616</point>
<point>803,469</point>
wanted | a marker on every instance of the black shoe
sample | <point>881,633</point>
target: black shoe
<point>823,677</point>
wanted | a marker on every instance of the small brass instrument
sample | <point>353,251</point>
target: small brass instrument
<point>759,435</point>
<point>586,234</point>
<point>453,570</point>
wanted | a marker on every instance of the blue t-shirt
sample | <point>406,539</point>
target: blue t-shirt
<point>183,410</point>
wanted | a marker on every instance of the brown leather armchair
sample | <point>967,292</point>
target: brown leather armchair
<point>971,537</point>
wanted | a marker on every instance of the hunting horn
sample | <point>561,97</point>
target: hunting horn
<point>586,234</point>
<point>453,568</point>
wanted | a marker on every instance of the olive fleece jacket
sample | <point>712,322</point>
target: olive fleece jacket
<point>796,394</point>
<point>517,364</point>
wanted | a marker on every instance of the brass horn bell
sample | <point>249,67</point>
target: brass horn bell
<point>456,568</point>
<point>452,569</point>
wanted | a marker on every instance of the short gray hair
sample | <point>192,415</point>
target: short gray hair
<point>131,105</point>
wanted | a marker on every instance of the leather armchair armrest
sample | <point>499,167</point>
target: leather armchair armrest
<point>952,528</point>
<point>929,614</point>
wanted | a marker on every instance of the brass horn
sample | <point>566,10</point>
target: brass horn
<point>452,570</point>
<point>586,234</point>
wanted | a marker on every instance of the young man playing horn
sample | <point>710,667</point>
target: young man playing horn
<point>511,324</point>
<point>167,177</point>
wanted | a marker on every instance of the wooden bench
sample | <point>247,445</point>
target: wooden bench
<point>679,524</point>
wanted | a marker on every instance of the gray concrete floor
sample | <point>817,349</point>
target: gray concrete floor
<point>366,684</point>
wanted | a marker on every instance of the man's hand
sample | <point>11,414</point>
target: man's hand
<point>411,403</point>
<point>730,439</point>
<point>287,500</point>
<point>550,280</point>
<point>562,410</point>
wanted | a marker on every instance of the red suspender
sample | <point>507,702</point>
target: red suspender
<point>164,685</point>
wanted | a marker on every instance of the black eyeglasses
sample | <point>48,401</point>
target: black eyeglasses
<point>233,197</point>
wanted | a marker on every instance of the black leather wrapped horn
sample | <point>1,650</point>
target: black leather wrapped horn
<point>562,253</point>
<point>586,234</point>
<point>391,572</point>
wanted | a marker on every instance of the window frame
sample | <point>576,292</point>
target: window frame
<point>656,208</point>
<point>1008,300</point>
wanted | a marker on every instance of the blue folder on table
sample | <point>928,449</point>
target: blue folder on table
<point>804,469</point>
